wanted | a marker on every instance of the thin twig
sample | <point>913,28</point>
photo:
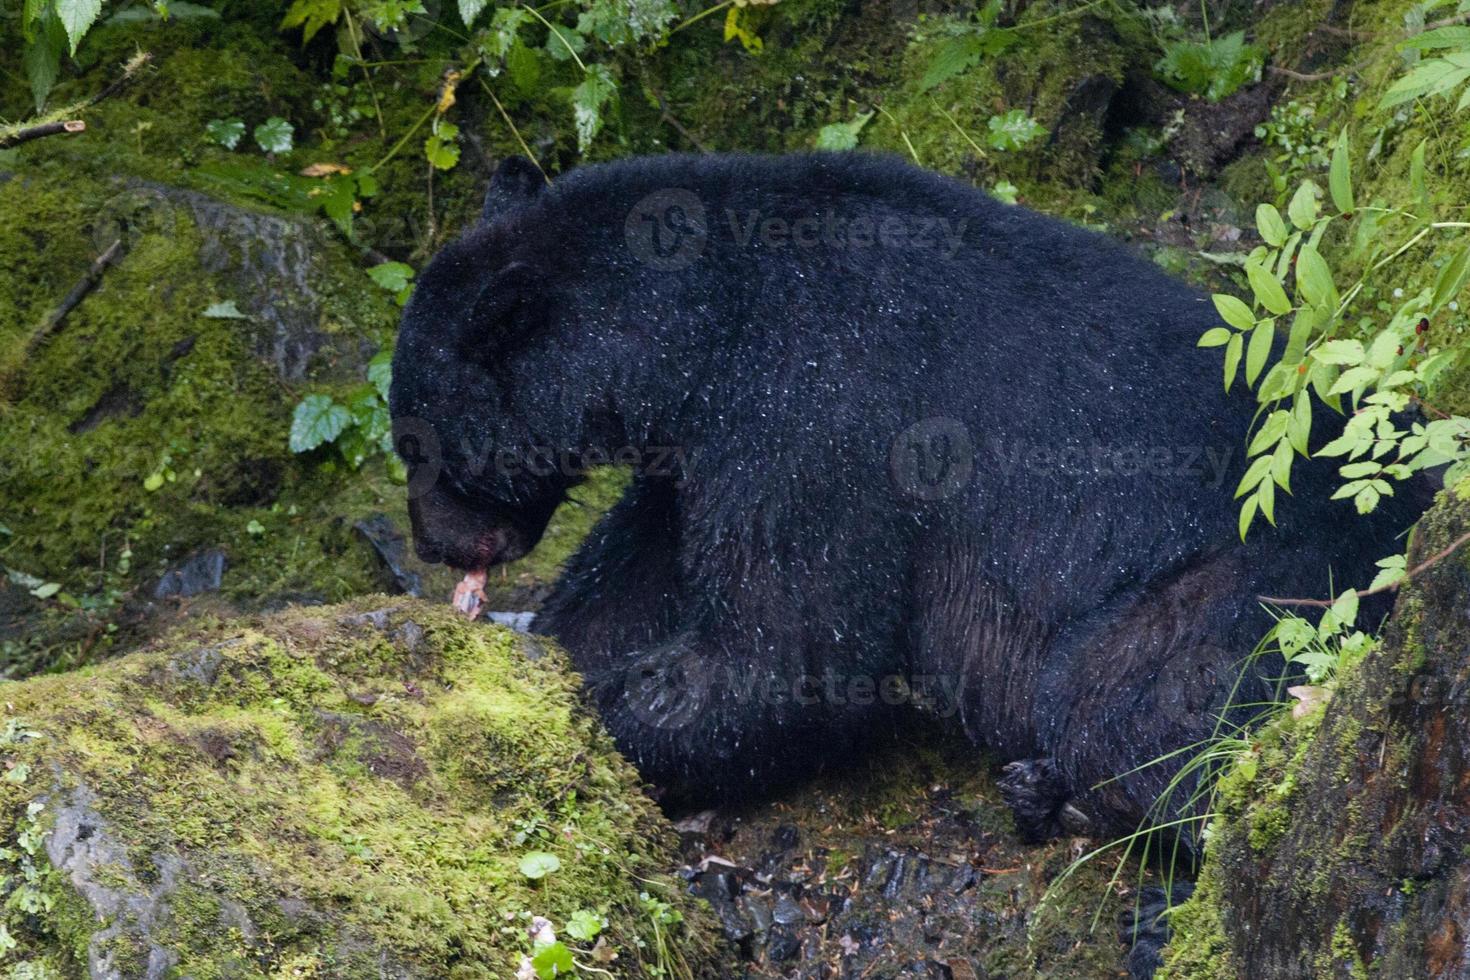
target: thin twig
<point>515,132</point>
<point>1447,22</point>
<point>668,117</point>
<point>1365,593</point>
<point>77,294</point>
<point>44,129</point>
<point>53,126</point>
<point>1318,76</point>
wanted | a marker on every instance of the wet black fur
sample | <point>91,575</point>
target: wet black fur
<point>1096,619</point>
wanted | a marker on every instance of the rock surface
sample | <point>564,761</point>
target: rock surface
<point>905,865</point>
<point>342,791</point>
<point>1344,847</point>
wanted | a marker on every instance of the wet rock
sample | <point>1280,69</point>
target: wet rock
<point>388,544</point>
<point>518,621</point>
<point>196,575</point>
<point>824,892</point>
<point>787,912</point>
<point>785,837</point>
<point>783,944</point>
<point>758,910</point>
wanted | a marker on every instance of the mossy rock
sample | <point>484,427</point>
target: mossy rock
<point>338,791</point>
<point>1339,849</point>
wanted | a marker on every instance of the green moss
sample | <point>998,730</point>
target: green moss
<point>337,785</point>
<point>1200,948</point>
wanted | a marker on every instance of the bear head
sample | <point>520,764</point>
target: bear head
<point>476,498</point>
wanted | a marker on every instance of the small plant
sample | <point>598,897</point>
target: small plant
<point>359,428</point>
<point>275,135</point>
<point>1302,148</point>
<point>1211,68</point>
<point>1013,130</point>
<point>225,132</point>
<point>966,44</point>
<point>843,135</point>
<point>1383,363</point>
<point>1437,75</point>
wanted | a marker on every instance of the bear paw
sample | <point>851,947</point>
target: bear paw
<point>1036,794</point>
<point>1145,926</point>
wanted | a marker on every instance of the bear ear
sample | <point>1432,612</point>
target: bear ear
<point>516,183</point>
<point>509,307</point>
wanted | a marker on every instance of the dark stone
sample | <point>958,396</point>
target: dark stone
<point>785,837</point>
<point>194,576</point>
<point>783,944</point>
<point>787,911</point>
<point>387,543</point>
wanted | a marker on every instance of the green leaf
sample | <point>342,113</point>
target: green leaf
<point>225,132</point>
<point>588,100</point>
<point>471,9</point>
<point>1270,432</point>
<point>1270,225</point>
<point>584,925</point>
<point>224,310</point>
<point>1215,337</point>
<point>440,147</point>
<point>77,16</point>
<point>1303,207</point>
<point>46,591</point>
<point>1314,279</point>
<point>1234,312</point>
<point>553,961</point>
<point>1259,470</point>
<point>1259,349</point>
<point>1417,182</point>
<point>1451,279</point>
<point>274,135</point>
<point>1391,572</point>
<point>1005,192</point>
<point>1247,514</point>
<point>523,65</point>
<point>1013,130</point>
<point>380,372</point>
<point>1300,428</point>
<point>1281,460</point>
<point>1430,77</point>
<point>1354,379</point>
<point>1345,607</point>
<point>843,135</point>
<point>539,864</point>
<point>392,276</point>
<point>957,55</point>
<point>311,16</point>
<point>1232,359</point>
<point>42,58</point>
<point>1339,177</point>
<point>1440,37</point>
<point>317,420</point>
<point>1340,352</point>
<point>1267,290</point>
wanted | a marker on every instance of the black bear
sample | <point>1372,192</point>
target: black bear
<point>894,442</point>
